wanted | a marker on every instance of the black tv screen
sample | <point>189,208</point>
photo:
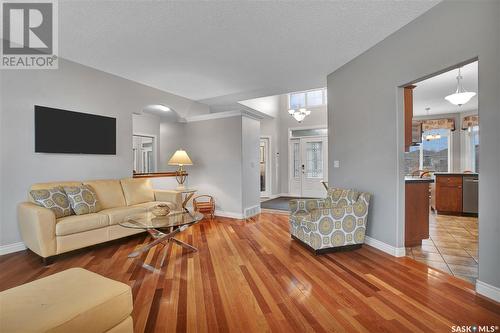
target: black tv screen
<point>62,131</point>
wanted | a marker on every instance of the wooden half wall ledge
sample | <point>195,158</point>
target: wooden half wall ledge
<point>157,174</point>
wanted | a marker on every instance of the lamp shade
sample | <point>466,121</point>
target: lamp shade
<point>180,157</point>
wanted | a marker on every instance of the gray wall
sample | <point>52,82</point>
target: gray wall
<point>365,116</point>
<point>172,138</point>
<point>72,87</point>
<point>215,149</point>
<point>250,134</point>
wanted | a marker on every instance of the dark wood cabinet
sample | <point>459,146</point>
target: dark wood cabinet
<point>416,212</point>
<point>449,194</point>
<point>408,116</point>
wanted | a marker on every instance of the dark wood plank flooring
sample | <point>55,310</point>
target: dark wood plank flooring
<point>250,276</point>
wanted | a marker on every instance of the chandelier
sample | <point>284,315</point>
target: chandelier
<point>299,114</point>
<point>461,96</point>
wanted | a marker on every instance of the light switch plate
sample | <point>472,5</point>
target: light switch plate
<point>336,164</point>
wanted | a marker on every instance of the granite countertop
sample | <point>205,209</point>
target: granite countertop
<point>455,174</point>
<point>418,180</point>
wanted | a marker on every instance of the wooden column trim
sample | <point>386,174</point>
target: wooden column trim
<point>408,115</point>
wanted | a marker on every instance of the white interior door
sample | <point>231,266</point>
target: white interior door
<point>309,166</point>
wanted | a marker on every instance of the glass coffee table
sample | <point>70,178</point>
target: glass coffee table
<point>162,229</point>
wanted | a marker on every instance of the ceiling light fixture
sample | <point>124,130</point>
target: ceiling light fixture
<point>461,96</point>
<point>299,114</point>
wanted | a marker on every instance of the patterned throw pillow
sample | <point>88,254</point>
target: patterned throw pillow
<point>83,199</point>
<point>54,199</point>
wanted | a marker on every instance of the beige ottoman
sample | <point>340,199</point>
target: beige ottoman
<point>74,300</point>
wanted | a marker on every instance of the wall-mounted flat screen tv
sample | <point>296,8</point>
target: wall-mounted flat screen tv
<point>62,131</point>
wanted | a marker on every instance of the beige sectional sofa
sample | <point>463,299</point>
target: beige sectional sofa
<point>47,236</point>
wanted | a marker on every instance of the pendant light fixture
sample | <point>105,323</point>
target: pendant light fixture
<point>299,114</point>
<point>461,96</point>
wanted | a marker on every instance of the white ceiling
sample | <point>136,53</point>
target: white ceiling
<point>221,52</point>
<point>431,92</point>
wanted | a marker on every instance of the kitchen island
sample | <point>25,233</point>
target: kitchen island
<point>416,210</point>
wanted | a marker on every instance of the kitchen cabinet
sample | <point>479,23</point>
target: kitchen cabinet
<point>449,193</point>
<point>416,210</point>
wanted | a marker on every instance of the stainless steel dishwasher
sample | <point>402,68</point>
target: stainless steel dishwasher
<point>470,194</point>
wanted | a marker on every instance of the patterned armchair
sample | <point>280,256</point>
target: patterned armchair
<point>336,222</point>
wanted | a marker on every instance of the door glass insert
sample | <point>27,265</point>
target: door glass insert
<point>296,159</point>
<point>144,161</point>
<point>314,159</point>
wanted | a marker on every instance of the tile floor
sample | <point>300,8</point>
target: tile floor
<point>452,246</point>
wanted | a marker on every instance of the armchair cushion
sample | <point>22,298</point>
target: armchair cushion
<point>331,225</point>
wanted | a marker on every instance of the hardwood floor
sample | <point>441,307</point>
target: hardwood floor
<point>251,277</point>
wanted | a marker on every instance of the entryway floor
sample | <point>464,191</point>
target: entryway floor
<point>279,203</point>
<point>452,246</point>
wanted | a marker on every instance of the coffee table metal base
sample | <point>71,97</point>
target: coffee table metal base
<point>164,239</point>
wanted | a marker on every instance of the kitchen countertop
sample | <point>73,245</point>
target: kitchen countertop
<point>455,174</point>
<point>418,180</point>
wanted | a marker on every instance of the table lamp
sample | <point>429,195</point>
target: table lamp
<point>180,158</point>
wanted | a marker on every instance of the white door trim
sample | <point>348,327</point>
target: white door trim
<point>269,175</point>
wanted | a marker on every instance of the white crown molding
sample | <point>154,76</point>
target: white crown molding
<point>250,113</point>
<point>11,248</point>
<point>211,116</point>
<point>488,290</point>
<point>389,249</point>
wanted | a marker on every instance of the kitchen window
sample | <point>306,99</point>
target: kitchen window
<point>472,149</point>
<point>432,155</point>
<point>307,99</point>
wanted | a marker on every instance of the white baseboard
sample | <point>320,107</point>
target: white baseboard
<point>10,248</point>
<point>488,290</point>
<point>389,249</point>
<point>230,215</point>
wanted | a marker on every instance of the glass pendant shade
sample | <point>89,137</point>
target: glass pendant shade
<point>299,114</point>
<point>461,96</point>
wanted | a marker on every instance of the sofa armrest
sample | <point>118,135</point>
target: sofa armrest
<point>169,196</point>
<point>38,228</point>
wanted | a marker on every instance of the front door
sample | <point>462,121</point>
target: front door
<point>309,166</point>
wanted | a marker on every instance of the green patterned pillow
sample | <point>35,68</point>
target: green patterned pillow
<point>54,199</point>
<point>83,199</point>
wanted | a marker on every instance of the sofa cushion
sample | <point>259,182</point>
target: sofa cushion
<point>54,199</point>
<point>109,192</point>
<point>118,214</point>
<point>42,186</point>
<point>83,199</point>
<point>137,190</point>
<point>74,300</point>
<point>80,223</point>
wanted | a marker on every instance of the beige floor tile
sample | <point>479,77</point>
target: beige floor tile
<point>434,264</point>
<point>456,260</point>
<point>428,256</point>
<point>454,252</point>
<point>463,270</point>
